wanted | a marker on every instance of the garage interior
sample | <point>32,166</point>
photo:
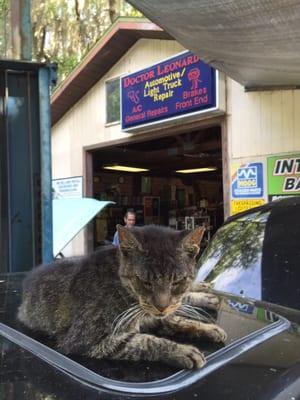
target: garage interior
<point>161,194</point>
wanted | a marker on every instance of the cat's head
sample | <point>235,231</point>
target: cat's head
<point>157,265</point>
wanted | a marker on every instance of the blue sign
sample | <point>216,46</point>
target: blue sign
<point>247,181</point>
<point>181,85</point>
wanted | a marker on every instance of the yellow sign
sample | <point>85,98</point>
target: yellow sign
<point>243,205</point>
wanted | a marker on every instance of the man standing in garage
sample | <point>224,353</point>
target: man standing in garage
<point>129,219</point>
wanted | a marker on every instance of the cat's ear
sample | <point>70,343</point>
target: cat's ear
<point>127,240</point>
<point>191,240</point>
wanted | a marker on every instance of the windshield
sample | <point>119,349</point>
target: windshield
<point>232,262</point>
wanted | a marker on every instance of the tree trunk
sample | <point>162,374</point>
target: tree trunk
<point>21,29</point>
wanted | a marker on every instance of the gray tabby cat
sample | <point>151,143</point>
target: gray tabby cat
<point>121,303</point>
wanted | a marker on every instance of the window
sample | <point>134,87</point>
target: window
<point>113,100</point>
<point>233,260</point>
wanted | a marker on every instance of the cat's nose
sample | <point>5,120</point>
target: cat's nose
<point>161,301</point>
<point>161,308</point>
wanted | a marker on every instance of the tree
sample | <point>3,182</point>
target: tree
<point>64,30</point>
<point>4,28</point>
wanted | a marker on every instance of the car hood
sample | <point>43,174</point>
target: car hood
<point>262,349</point>
<point>70,216</point>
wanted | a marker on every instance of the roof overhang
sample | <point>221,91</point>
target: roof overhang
<point>257,43</point>
<point>122,35</point>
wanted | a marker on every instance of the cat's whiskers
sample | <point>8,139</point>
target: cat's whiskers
<point>126,321</point>
<point>148,309</point>
<point>186,312</point>
<point>124,313</point>
<point>154,312</point>
<point>189,311</point>
<point>201,311</point>
<point>126,317</point>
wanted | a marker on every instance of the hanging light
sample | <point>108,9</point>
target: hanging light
<point>125,168</point>
<point>196,170</point>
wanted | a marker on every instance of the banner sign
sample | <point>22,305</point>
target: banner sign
<point>241,307</point>
<point>247,181</point>
<point>67,187</point>
<point>283,176</point>
<point>238,206</point>
<point>247,186</point>
<point>181,85</point>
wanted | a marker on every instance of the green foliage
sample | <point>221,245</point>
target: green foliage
<point>4,27</point>
<point>63,31</point>
<point>113,100</point>
<point>3,7</point>
<point>236,245</point>
<point>66,64</point>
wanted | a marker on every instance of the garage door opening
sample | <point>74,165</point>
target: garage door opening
<point>174,181</point>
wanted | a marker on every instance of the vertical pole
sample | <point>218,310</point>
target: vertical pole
<point>226,169</point>
<point>15,29</point>
<point>25,30</point>
<point>88,178</point>
<point>46,175</point>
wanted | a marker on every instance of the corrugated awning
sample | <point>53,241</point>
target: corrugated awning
<point>257,43</point>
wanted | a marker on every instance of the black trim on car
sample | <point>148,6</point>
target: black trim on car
<point>170,384</point>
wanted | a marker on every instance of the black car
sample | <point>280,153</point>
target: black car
<point>257,254</point>
<point>260,361</point>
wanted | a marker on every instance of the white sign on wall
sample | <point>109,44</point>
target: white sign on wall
<point>71,187</point>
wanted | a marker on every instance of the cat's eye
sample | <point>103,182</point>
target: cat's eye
<point>147,285</point>
<point>179,282</point>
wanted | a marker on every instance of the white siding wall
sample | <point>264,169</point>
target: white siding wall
<point>262,123</point>
<point>258,123</point>
<point>84,124</point>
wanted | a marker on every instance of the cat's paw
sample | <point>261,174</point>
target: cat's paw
<point>186,357</point>
<point>207,300</point>
<point>201,287</point>
<point>215,333</point>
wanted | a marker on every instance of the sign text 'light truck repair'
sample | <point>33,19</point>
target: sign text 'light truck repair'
<point>181,85</point>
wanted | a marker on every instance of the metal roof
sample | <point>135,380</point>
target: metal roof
<point>122,35</point>
<point>257,43</point>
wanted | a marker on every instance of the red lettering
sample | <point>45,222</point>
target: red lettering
<point>126,82</point>
<point>189,60</point>
<point>177,64</point>
<point>137,108</point>
<point>133,80</point>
